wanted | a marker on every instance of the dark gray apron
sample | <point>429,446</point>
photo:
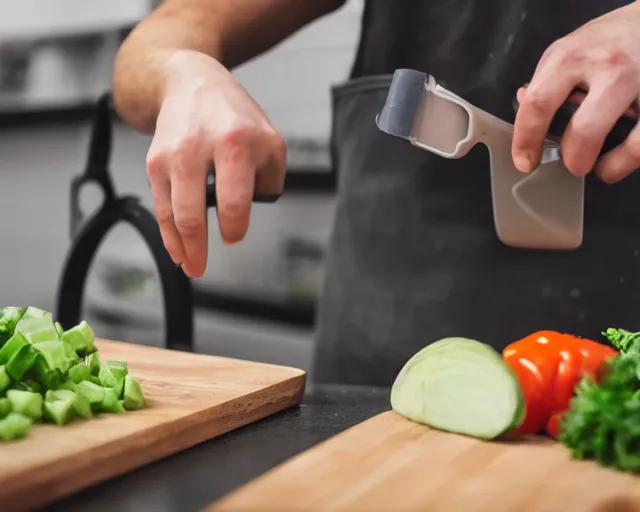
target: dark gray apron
<point>414,255</point>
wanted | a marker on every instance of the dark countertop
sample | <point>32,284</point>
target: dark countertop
<point>193,479</point>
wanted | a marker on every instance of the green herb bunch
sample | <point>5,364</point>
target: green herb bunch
<point>603,420</point>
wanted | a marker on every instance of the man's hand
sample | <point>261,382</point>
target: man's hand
<point>603,58</point>
<point>208,118</point>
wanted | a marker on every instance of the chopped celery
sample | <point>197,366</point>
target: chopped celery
<point>57,355</point>
<point>5,380</point>
<point>50,374</point>
<point>80,404</point>
<point>109,401</point>
<point>21,362</point>
<point>92,392</point>
<point>59,412</point>
<point>14,426</point>
<point>81,338</point>
<point>9,317</point>
<point>12,346</point>
<point>26,403</point>
<point>37,325</point>
<point>50,379</point>
<point>5,407</point>
<point>79,372</point>
<point>133,397</point>
<point>27,385</point>
<point>112,375</point>
<point>115,408</point>
<point>93,362</point>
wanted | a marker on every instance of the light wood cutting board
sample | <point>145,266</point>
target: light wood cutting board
<point>191,398</point>
<point>393,465</point>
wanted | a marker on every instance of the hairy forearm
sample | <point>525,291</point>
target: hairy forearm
<point>230,31</point>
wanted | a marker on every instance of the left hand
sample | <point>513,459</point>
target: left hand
<point>603,58</point>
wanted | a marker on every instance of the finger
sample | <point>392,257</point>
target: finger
<point>157,170</point>
<point>235,181</point>
<point>593,120</point>
<point>621,161</point>
<point>189,199</point>
<point>270,175</point>
<point>547,91</point>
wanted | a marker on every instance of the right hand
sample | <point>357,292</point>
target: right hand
<point>208,118</point>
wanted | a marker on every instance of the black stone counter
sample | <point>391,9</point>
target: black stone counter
<point>191,480</point>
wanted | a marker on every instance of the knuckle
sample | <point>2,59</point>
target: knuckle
<point>536,100</point>
<point>239,135</point>
<point>233,209</point>
<point>277,143</point>
<point>585,131</point>
<point>155,164</point>
<point>189,224</point>
<point>164,215</point>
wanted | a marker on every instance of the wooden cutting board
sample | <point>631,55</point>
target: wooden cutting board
<point>393,465</point>
<point>191,398</point>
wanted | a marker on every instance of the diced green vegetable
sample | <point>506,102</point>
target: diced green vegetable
<point>50,374</point>
<point>9,318</point>
<point>93,362</point>
<point>27,385</point>
<point>59,412</point>
<point>112,375</point>
<point>80,404</point>
<point>79,372</point>
<point>116,408</point>
<point>21,362</point>
<point>459,385</point>
<point>109,400</point>
<point>37,325</point>
<point>133,397</point>
<point>81,339</point>
<point>5,380</point>
<point>26,403</point>
<point>5,407</point>
<point>92,392</point>
<point>50,379</point>
<point>12,347</point>
<point>57,355</point>
<point>14,426</point>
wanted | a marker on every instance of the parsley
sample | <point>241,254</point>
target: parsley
<point>603,420</point>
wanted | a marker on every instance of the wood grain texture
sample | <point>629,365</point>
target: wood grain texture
<point>191,398</point>
<point>393,465</point>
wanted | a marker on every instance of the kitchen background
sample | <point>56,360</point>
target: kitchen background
<point>257,298</point>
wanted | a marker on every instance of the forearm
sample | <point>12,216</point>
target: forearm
<point>230,31</point>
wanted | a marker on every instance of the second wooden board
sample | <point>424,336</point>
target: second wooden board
<point>389,464</point>
<point>191,398</point>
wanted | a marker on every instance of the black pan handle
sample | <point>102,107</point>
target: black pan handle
<point>211,193</point>
<point>616,136</point>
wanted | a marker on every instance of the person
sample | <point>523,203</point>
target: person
<point>414,255</point>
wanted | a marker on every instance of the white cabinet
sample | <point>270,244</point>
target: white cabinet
<point>33,19</point>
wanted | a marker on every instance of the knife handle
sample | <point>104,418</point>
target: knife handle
<point>212,200</point>
<point>617,135</point>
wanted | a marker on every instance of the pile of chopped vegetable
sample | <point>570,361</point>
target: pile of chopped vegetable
<point>49,375</point>
<point>603,421</point>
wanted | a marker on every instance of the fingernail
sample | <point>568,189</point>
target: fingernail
<point>522,163</point>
